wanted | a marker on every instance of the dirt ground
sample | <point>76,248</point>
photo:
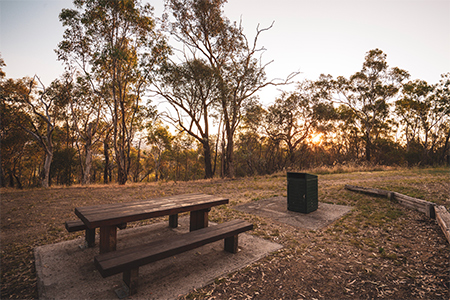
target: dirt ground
<point>379,250</point>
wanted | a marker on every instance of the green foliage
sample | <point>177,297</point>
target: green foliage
<point>116,46</point>
<point>368,92</point>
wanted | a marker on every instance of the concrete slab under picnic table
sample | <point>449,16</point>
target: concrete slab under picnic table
<point>276,209</point>
<point>66,271</point>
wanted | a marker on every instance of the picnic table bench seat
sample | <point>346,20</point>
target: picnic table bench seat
<point>128,261</point>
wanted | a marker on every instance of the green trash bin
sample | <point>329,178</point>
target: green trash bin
<point>302,192</point>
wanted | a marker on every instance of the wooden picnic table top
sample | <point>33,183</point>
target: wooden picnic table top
<point>118,213</point>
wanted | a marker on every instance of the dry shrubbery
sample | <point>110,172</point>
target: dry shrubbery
<point>350,167</point>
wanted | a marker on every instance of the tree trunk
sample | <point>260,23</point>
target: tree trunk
<point>136,173</point>
<point>368,148</point>
<point>11,178</point>
<point>2,174</point>
<point>207,157</point>
<point>157,166</point>
<point>121,171</point>
<point>19,183</point>
<point>106,154</point>
<point>46,170</point>
<point>445,149</point>
<point>229,163</point>
<point>88,165</point>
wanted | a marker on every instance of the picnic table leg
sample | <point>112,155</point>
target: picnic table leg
<point>90,238</point>
<point>231,244</point>
<point>130,278</point>
<point>108,238</point>
<point>173,221</point>
<point>199,219</point>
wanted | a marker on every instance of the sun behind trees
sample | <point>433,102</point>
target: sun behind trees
<point>99,122</point>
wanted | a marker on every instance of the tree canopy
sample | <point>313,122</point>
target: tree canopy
<point>103,121</point>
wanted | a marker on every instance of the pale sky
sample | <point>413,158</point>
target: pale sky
<point>310,36</point>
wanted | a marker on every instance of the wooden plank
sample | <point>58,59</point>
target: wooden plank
<point>110,214</point>
<point>157,202</point>
<point>75,225</point>
<point>119,261</point>
<point>443,219</point>
<point>413,203</point>
<point>418,204</point>
<point>131,216</point>
<point>151,204</point>
<point>373,191</point>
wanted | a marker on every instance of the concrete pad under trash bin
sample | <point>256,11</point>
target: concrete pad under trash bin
<point>66,271</point>
<point>276,209</point>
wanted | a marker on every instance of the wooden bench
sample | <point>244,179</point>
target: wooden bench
<point>78,225</point>
<point>128,261</point>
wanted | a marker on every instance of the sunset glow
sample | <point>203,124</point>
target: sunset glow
<point>317,138</point>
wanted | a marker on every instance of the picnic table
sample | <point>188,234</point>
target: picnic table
<point>110,216</point>
<point>127,261</point>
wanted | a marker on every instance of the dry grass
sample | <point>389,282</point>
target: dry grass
<point>351,167</point>
<point>380,250</point>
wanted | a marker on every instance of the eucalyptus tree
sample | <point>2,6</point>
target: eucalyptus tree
<point>88,118</point>
<point>368,94</point>
<point>424,111</point>
<point>38,110</point>
<point>235,62</point>
<point>441,95</point>
<point>190,88</point>
<point>159,139</point>
<point>12,139</point>
<point>294,117</point>
<point>116,46</point>
<point>412,109</point>
<point>252,147</point>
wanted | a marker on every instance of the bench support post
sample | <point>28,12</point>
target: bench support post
<point>90,237</point>
<point>231,244</point>
<point>173,221</point>
<point>108,238</point>
<point>130,278</point>
<point>198,219</point>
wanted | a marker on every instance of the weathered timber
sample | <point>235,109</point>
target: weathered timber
<point>443,219</point>
<point>112,214</point>
<point>372,191</point>
<point>128,261</point>
<point>418,204</point>
<point>75,225</point>
<point>413,203</point>
<point>433,211</point>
